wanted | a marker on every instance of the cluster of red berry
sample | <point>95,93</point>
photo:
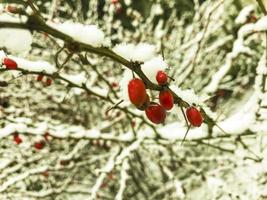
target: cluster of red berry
<point>118,8</point>
<point>47,82</point>
<point>37,145</point>
<point>138,96</point>
<point>156,112</point>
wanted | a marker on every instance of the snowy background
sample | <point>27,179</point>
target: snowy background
<point>66,65</point>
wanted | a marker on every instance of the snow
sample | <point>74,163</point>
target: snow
<point>34,66</point>
<point>78,79</point>
<point>124,177</point>
<point>40,129</point>
<point>11,128</point>
<point>88,34</point>
<point>4,162</point>
<point>9,18</point>
<point>126,136</point>
<point>45,67</point>
<point>261,24</point>
<point>99,91</point>
<point>93,133</point>
<point>15,40</point>
<point>126,77</point>
<point>152,66</point>
<point>177,131</point>
<point>238,48</point>
<point>187,95</point>
<point>242,119</point>
<point>128,150</point>
<point>159,32</point>
<point>179,189</point>
<point>245,117</point>
<point>141,52</point>
<point>213,184</point>
<point>2,55</point>
<point>244,13</point>
<point>157,9</point>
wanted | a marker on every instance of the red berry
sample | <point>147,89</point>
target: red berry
<point>194,116</point>
<point>166,99</point>
<point>40,77</point>
<point>133,124</point>
<point>17,139</point>
<point>46,34</point>
<point>48,81</point>
<point>45,174</point>
<point>162,78</point>
<point>114,1</point>
<point>156,113</point>
<point>47,136</point>
<point>103,185</point>
<point>137,92</point>
<point>39,145</point>
<point>118,114</point>
<point>10,64</point>
<point>64,162</point>
<point>118,9</point>
<point>114,84</point>
<point>110,176</point>
<point>12,9</point>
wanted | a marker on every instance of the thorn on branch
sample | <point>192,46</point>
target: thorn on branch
<point>114,106</point>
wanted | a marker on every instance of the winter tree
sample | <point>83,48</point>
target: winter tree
<point>124,99</point>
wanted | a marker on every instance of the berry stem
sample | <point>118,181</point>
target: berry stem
<point>187,124</point>
<point>188,128</point>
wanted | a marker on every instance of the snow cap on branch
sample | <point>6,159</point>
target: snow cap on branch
<point>150,69</point>
<point>188,95</point>
<point>152,66</point>
<point>34,66</point>
<point>88,34</point>
<point>244,13</point>
<point>141,52</point>
<point>15,40</point>
<point>261,24</point>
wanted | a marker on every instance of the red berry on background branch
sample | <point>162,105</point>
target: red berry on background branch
<point>48,81</point>
<point>194,116</point>
<point>118,9</point>
<point>162,78</point>
<point>47,136</point>
<point>40,77</point>
<point>166,99</point>
<point>17,138</point>
<point>137,92</point>
<point>45,174</point>
<point>39,145</point>
<point>103,185</point>
<point>114,84</point>
<point>156,113</point>
<point>12,9</point>
<point>133,124</point>
<point>10,64</point>
<point>64,162</point>
<point>114,1</point>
